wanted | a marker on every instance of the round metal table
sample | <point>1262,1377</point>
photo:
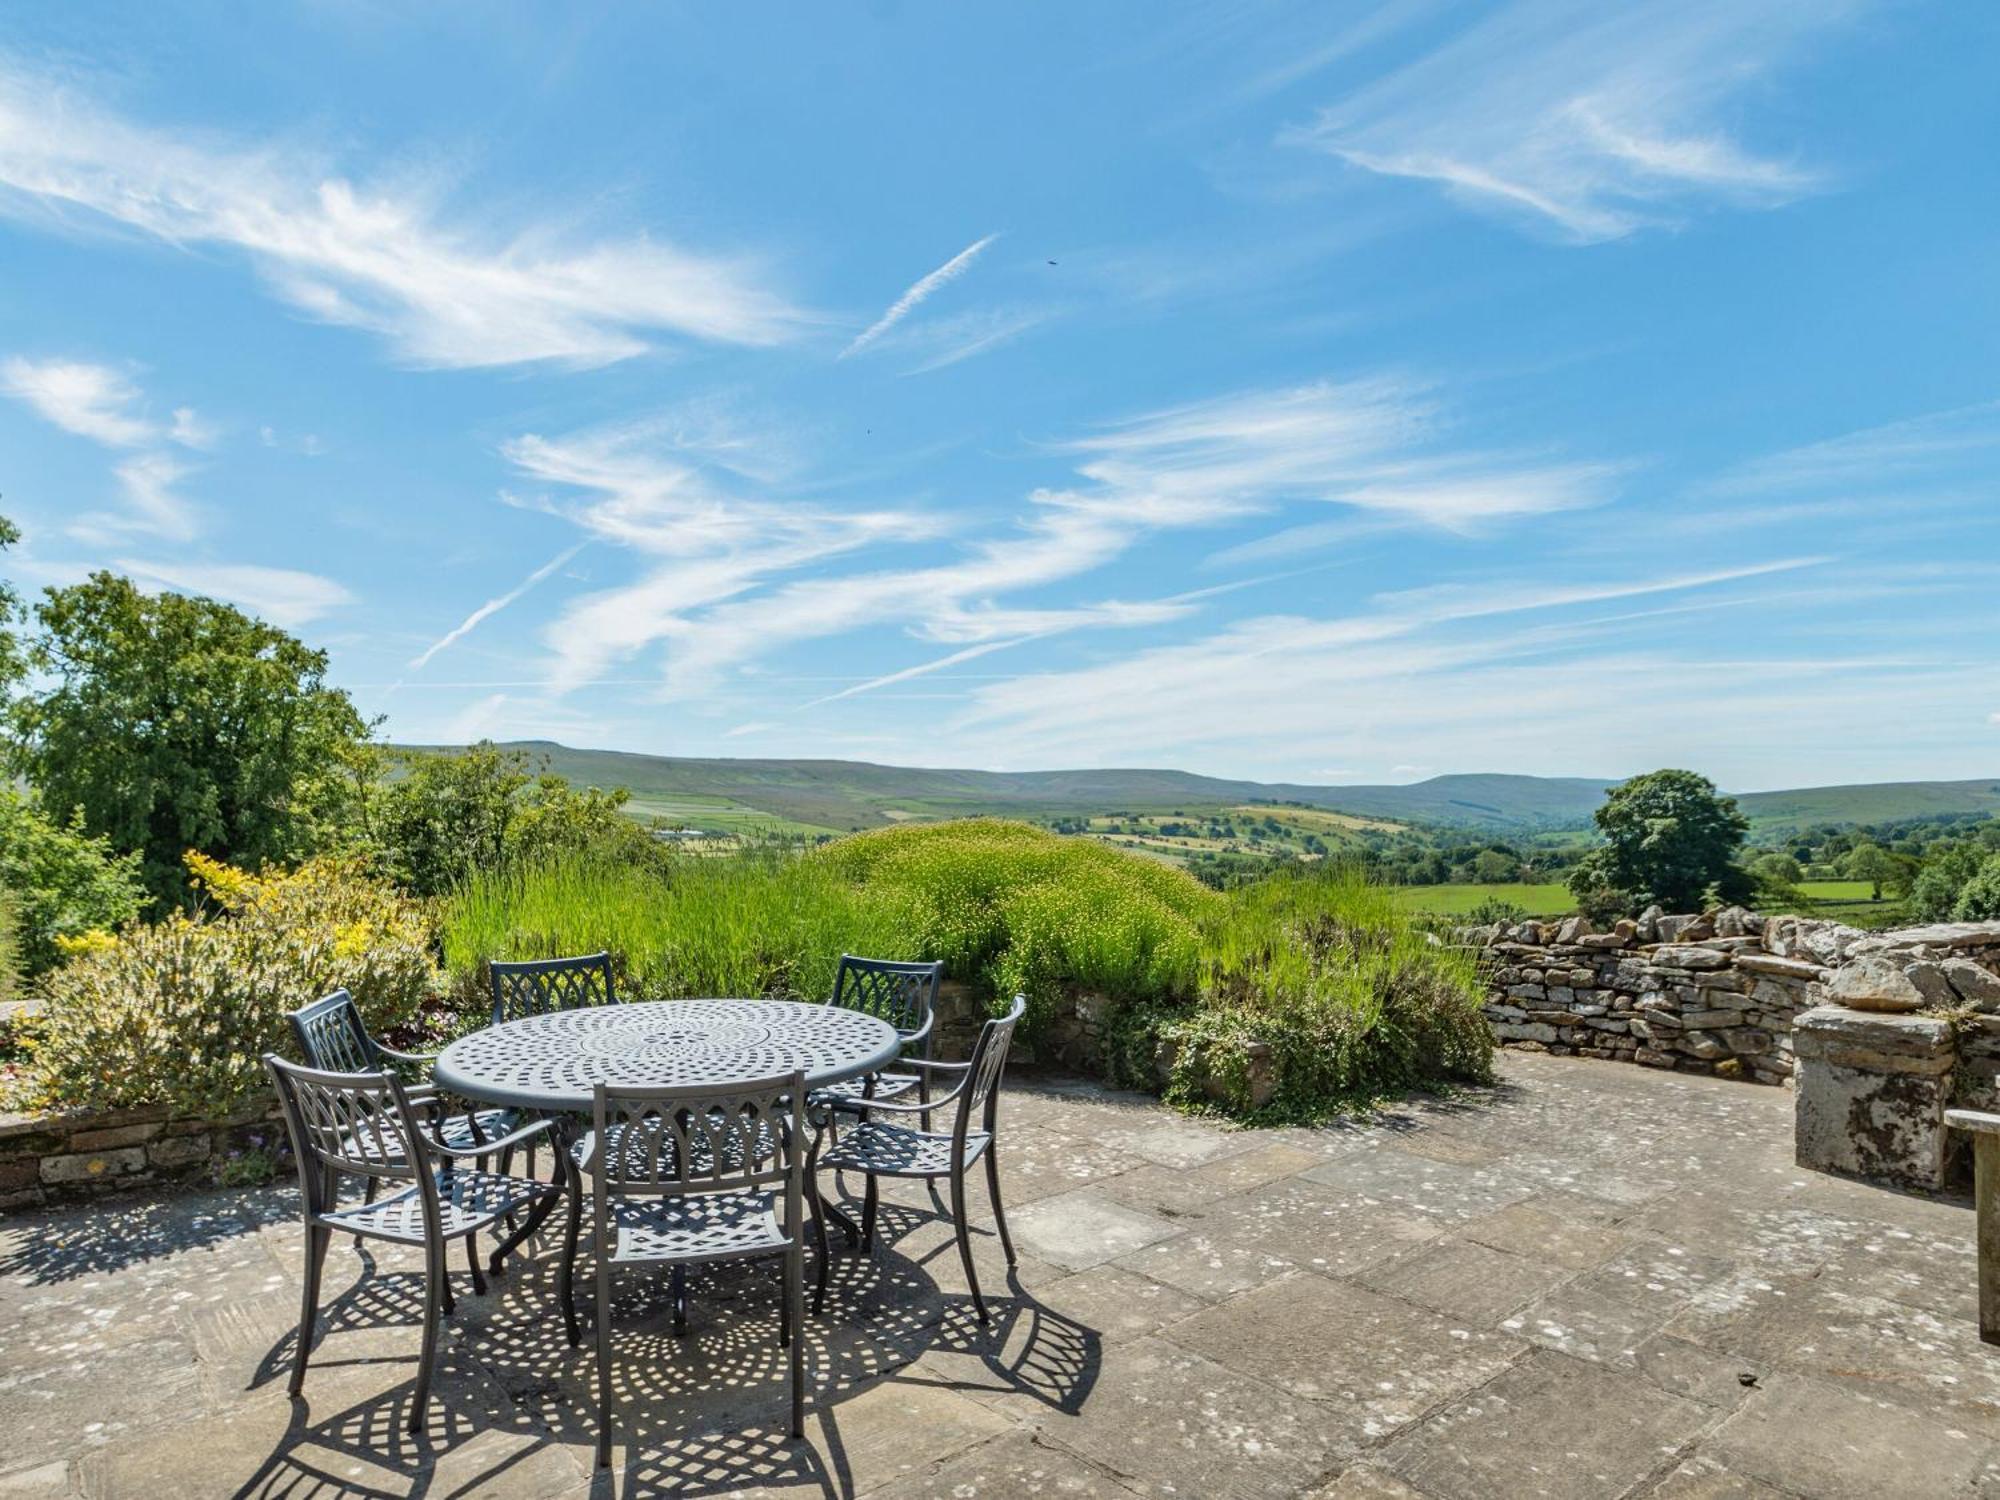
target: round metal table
<point>553,1063</point>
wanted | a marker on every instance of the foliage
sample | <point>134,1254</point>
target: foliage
<point>1319,965</point>
<point>1494,909</point>
<point>1935,892</point>
<point>61,882</point>
<point>1874,864</point>
<point>1669,838</point>
<point>13,658</point>
<point>1979,898</point>
<point>180,1012</point>
<point>762,923</point>
<point>179,723</point>
<point>447,815</point>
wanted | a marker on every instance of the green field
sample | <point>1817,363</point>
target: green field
<point>1456,900</point>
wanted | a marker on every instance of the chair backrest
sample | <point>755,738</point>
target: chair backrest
<point>981,1094</point>
<point>903,994</point>
<point>333,1039</point>
<point>542,985</point>
<point>357,1123</point>
<point>698,1140</point>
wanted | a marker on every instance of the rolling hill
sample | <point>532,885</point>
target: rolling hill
<point>841,795</point>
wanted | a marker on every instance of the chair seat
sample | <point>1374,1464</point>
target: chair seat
<point>384,1146</point>
<point>885,1150</point>
<point>709,1226</point>
<point>853,1095</point>
<point>467,1200</point>
<point>640,1147</point>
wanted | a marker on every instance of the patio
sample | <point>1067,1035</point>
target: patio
<point>1592,1280</point>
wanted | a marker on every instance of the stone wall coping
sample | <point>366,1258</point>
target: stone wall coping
<point>1977,1121</point>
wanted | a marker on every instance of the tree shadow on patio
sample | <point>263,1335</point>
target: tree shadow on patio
<point>112,1234</point>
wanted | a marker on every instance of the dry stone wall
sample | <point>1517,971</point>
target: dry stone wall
<point>1719,992</point>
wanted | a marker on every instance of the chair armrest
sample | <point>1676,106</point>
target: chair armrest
<point>406,1057</point>
<point>877,1106</point>
<point>922,1032</point>
<point>936,1067</point>
<point>527,1132</point>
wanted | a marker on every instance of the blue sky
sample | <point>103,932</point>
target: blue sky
<point>1309,392</point>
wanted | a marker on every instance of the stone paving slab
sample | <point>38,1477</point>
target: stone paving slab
<point>1587,1281</point>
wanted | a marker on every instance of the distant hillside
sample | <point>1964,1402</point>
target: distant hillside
<point>1880,802</point>
<point>840,795</point>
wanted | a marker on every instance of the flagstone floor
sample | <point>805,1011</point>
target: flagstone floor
<point>1592,1280</point>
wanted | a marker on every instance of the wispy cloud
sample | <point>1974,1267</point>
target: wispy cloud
<point>960,338</point>
<point>732,578</point>
<point>443,289</point>
<point>1593,120</point>
<point>917,293</point>
<point>1395,673</point>
<point>284,596</point>
<point>493,607</point>
<point>1944,446</point>
<point>93,401</point>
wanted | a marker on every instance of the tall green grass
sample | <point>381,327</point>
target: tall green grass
<point>1342,988</point>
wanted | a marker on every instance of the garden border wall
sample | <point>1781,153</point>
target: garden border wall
<point>63,1157</point>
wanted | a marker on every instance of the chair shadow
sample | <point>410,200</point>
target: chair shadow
<point>702,1412</point>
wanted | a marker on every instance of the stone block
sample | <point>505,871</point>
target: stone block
<point>179,1151</point>
<point>1872,1091</point>
<point>94,1166</point>
<point>1780,968</point>
<point>1874,982</point>
<point>1529,1031</point>
<point>1972,983</point>
<point>1690,956</point>
<point>114,1137</point>
<point>1712,1018</point>
<point>1703,1044</point>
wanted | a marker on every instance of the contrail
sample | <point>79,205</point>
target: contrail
<point>904,305</point>
<point>493,606</point>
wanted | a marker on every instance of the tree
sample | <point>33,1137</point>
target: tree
<point>1979,898</point>
<point>1777,876</point>
<point>1945,872</point>
<point>1494,867</point>
<point>175,724</point>
<point>1872,863</point>
<point>448,814</point>
<point>1670,838</point>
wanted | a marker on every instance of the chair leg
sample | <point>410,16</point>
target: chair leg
<point>993,1192</point>
<point>824,1252</point>
<point>506,1162</point>
<point>965,1241</point>
<point>437,1293</point>
<point>566,1277</point>
<point>680,1294</point>
<point>795,1296</point>
<point>317,1239</point>
<point>472,1259</point>
<point>785,1302</point>
<point>603,1333</point>
<point>870,1200</point>
<point>368,1186</point>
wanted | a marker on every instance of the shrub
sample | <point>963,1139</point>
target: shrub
<point>180,1012</point>
<point>62,882</point>
<point>1350,996</point>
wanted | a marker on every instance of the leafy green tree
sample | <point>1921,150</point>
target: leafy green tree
<point>13,656</point>
<point>1872,863</point>
<point>1669,837</point>
<point>1979,898</point>
<point>175,723</point>
<point>1946,871</point>
<point>444,815</point>
<point>1492,867</point>
<point>61,882</point>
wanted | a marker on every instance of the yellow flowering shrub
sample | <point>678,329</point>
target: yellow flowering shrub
<point>179,1012</point>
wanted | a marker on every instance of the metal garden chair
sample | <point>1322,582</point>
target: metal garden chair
<point>333,1038</point>
<point>904,995</point>
<point>535,987</point>
<point>880,1148</point>
<point>690,1178</point>
<point>367,1125</point>
<point>541,985</point>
